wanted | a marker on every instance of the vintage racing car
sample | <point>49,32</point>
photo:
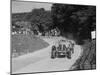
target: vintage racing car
<point>62,48</point>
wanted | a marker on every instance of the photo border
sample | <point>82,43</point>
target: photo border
<point>48,3</point>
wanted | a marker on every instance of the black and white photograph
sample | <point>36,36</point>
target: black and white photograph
<point>52,37</point>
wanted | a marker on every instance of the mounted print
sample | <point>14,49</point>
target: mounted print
<point>52,37</point>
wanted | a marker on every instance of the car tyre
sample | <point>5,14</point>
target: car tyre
<point>69,55</point>
<point>53,52</point>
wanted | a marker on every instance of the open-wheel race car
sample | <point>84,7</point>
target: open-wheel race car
<point>62,49</point>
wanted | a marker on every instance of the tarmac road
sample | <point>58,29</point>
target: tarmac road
<point>40,60</point>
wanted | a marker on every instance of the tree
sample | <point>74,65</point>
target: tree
<point>40,19</point>
<point>77,20</point>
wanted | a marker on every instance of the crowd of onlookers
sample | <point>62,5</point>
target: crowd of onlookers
<point>52,32</point>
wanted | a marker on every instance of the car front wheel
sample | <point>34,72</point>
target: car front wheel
<point>53,52</point>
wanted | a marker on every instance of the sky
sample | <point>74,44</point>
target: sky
<point>26,6</point>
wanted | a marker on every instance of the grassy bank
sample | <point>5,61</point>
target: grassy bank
<point>22,44</point>
<point>88,59</point>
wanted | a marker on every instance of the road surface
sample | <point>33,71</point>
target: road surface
<point>40,60</point>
